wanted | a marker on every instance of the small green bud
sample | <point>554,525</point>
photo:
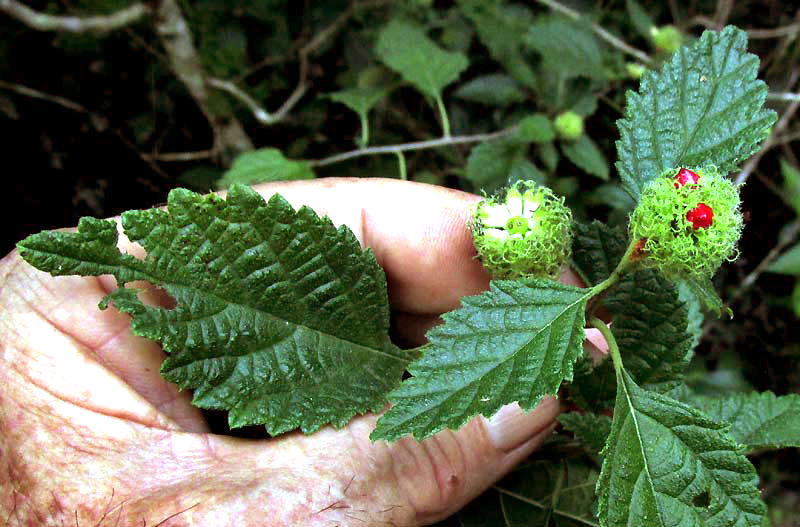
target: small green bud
<point>666,38</point>
<point>688,222</point>
<point>635,70</point>
<point>569,125</point>
<point>524,231</point>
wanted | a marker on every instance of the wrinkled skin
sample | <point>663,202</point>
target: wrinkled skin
<point>90,435</point>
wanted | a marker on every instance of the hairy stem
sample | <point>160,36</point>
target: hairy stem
<point>613,349</point>
<point>443,116</point>
<point>364,141</point>
<point>401,160</point>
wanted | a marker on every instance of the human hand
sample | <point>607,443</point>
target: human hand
<point>91,435</point>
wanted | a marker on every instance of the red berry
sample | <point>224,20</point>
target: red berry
<point>685,176</point>
<point>701,216</point>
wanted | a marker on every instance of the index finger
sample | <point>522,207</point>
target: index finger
<point>418,232</point>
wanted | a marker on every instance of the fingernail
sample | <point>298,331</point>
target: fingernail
<point>511,426</point>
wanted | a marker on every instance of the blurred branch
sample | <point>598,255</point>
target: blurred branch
<point>783,96</point>
<point>36,94</point>
<point>303,53</point>
<point>99,122</point>
<point>184,60</point>
<point>789,236</point>
<point>602,33</point>
<point>261,115</point>
<point>405,147</point>
<point>73,24</point>
<point>721,13</point>
<point>772,140</point>
<point>178,156</point>
<point>784,31</point>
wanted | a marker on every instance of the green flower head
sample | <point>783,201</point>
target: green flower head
<point>524,231</point>
<point>688,221</point>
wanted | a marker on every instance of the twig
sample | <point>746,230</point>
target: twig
<point>750,279</point>
<point>602,33</point>
<point>405,147</point>
<point>261,115</point>
<point>74,24</point>
<point>303,54</point>
<point>36,94</point>
<point>783,31</point>
<point>722,12</point>
<point>771,141</point>
<point>172,28</point>
<point>783,96</point>
<point>178,156</point>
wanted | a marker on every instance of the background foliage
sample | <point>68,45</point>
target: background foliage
<point>97,123</point>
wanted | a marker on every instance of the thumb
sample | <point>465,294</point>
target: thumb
<point>440,475</point>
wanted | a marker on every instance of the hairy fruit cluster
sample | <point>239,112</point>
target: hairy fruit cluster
<point>521,232</point>
<point>688,221</point>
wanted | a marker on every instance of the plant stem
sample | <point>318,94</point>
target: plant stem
<point>443,115</point>
<point>74,24</point>
<point>405,147</point>
<point>613,349</point>
<point>401,160</point>
<point>261,115</point>
<point>364,130</point>
<point>623,265</point>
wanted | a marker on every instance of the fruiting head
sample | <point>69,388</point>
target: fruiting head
<point>523,231</point>
<point>688,221</point>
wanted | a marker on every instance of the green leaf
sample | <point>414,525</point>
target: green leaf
<point>360,99</point>
<point>758,420</point>
<point>650,327</point>
<point>548,154</point>
<point>703,289</point>
<point>500,27</point>
<point>585,154</point>
<point>568,48</point>
<point>667,463</point>
<point>704,106</point>
<point>490,164</point>
<point>265,164</point>
<point>516,342</point>
<point>597,249</point>
<point>535,128</point>
<point>590,429</point>
<point>791,184</point>
<point>787,263</point>
<point>640,19</point>
<point>406,49</point>
<point>557,493</point>
<point>280,317</point>
<point>695,313</point>
<point>727,376</point>
<point>494,89</point>
<point>611,195</point>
